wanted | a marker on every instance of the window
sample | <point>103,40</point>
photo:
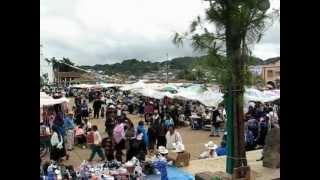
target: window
<point>270,73</point>
<point>278,73</point>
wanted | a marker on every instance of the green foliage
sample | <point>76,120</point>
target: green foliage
<point>61,65</point>
<point>216,178</point>
<point>243,20</point>
<point>138,68</point>
<point>67,61</point>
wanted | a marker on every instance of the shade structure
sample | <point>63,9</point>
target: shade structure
<point>46,100</point>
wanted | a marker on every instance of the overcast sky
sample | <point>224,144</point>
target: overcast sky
<point>108,31</point>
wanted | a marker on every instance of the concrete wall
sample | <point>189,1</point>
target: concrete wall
<point>271,72</point>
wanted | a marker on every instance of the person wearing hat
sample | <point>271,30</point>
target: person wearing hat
<point>163,151</point>
<point>180,156</point>
<point>69,126</point>
<point>210,152</point>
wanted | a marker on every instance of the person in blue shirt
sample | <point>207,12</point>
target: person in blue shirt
<point>69,126</point>
<point>84,109</point>
<point>168,121</point>
<point>222,150</point>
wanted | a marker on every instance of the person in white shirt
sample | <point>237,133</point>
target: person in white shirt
<point>96,146</point>
<point>172,137</point>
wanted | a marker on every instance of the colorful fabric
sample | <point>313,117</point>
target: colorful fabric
<point>221,151</point>
<point>118,133</point>
<point>162,167</point>
<point>69,139</point>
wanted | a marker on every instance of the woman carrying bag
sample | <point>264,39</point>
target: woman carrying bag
<point>57,149</point>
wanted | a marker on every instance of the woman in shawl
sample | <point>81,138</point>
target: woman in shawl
<point>57,148</point>
<point>118,136</point>
<point>129,135</point>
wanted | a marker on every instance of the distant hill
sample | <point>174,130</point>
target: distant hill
<point>140,67</point>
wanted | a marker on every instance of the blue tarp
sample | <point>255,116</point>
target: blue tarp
<point>174,173</point>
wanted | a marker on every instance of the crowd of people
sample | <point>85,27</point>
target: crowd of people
<point>260,119</point>
<point>73,127</point>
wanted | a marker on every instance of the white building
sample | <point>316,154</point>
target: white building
<point>46,68</point>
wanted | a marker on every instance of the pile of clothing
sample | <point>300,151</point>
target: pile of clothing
<point>53,171</point>
<point>159,162</point>
<point>111,170</point>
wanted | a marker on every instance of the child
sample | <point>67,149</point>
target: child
<point>107,145</point>
<point>80,136</point>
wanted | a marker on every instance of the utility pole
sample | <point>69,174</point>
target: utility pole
<point>167,68</point>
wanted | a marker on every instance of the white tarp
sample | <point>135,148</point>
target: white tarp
<point>86,86</point>
<point>138,85</point>
<point>207,96</point>
<point>261,96</point>
<point>105,85</point>
<point>46,100</point>
<point>46,68</point>
<point>152,93</point>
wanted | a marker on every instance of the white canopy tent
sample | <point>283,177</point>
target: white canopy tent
<point>46,100</point>
<point>207,96</point>
<point>105,85</point>
<point>261,96</point>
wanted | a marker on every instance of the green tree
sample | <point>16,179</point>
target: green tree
<point>237,24</point>
<point>62,64</point>
<point>67,61</point>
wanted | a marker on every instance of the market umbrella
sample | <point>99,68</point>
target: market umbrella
<point>169,88</point>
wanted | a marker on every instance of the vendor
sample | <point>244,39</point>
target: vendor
<point>210,150</point>
<point>180,157</point>
<point>172,136</point>
<point>69,129</point>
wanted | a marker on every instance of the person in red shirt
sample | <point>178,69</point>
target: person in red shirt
<point>148,110</point>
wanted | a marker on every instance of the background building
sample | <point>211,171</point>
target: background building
<point>46,68</point>
<point>268,70</point>
<point>271,71</point>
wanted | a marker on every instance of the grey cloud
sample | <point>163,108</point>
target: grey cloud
<point>107,44</point>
